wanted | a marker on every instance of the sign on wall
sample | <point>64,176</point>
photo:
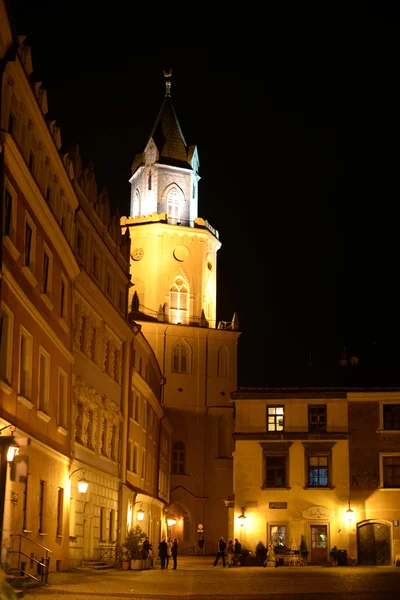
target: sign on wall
<point>278,504</point>
<point>317,512</point>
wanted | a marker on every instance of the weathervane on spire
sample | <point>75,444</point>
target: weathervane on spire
<point>167,76</point>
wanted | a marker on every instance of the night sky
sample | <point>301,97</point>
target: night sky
<point>298,138</point>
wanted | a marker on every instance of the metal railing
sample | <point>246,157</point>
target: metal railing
<point>110,553</point>
<point>190,551</point>
<point>42,565</point>
<point>193,321</point>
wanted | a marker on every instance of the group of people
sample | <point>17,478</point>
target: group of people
<point>168,548</point>
<point>233,552</point>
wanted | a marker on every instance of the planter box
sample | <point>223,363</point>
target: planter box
<point>137,563</point>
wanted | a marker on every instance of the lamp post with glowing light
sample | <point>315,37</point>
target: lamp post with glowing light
<point>242,520</point>
<point>83,484</point>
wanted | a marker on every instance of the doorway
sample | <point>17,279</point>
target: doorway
<point>373,544</point>
<point>319,543</point>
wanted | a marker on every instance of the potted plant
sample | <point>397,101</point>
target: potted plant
<point>303,550</point>
<point>334,556</point>
<point>125,560</point>
<point>132,545</point>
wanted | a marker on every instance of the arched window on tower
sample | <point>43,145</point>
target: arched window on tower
<point>179,302</point>
<point>223,362</point>
<point>149,181</point>
<point>178,458</point>
<point>136,204</point>
<point>173,200</point>
<point>181,358</point>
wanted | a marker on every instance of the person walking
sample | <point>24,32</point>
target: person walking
<point>163,552</point>
<point>200,544</point>
<point>238,552</point>
<point>174,551</point>
<point>169,551</point>
<point>221,552</point>
<point>231,553</point>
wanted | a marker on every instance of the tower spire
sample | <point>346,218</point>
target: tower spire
<point>167,76</point>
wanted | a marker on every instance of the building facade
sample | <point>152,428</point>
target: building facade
<point>38,270</point>
<point>319,463</point>
<point>174,272</point>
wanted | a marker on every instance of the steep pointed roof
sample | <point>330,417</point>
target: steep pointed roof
<point>168,136</point>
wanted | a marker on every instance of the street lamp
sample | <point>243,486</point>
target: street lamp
<point>242,517</point>
<point>83,484</point>
<point>140,512</point>
<point>349,514</point>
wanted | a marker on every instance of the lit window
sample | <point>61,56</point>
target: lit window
<point>178,458</point>
<point>179,301</point>
<point>275,418</point>
<point>318,475</point>
<point>180,358</point>
<point>277,535</point>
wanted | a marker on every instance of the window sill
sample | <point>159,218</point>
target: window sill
<point>47,301</point>
<point>44,416</point>
<point>27,530</point>
<point>63,324</point>
<point>41,533</point>
<point>5,387</point>
<point>9,244</point>
<point>59,536</point>
<point>387,431</point>
<point>319,487</point>
<point>62,430</point>
<point>267,487</point>
<point>25,401</point>
<point>30,276</point>
<point>389,489</point>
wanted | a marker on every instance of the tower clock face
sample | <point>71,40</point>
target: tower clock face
<point>137,254</point>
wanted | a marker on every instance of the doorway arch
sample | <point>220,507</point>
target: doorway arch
<point>374,543</point>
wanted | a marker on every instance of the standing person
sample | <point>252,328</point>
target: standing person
<point>238,552</point>
<point>200,544</point>
<point>169,550</point>
<point>146,548</point>
<point>174,551</point>
<point>221,552</point>
<point>231,554</point>
<point>163,552</point>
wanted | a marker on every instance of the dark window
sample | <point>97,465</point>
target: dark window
<point>62,301</point>
<point>45,284</point>
<point>149,182</point>
<point>178,458</point>
<point>317,417</point>
<point>11,123</point>
<point>276,471</point>
<point>318,474</point>
<point>275,416</point>
<point>7,213</point>
<point>31,162</point>
<point>391,416</point>
<point>391,471</point>
<point>28,244</point>
<point>42,508</point>
<point>194,192</point>
<point>60,510</point>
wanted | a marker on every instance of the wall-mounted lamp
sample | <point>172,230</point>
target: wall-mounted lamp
<point>242,517</point>
<point>12,452</point>
<point>83,484</point>
<point>171,522</point>
<point>349,514</point>
<point>140,513</point>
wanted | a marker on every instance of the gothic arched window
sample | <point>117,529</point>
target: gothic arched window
<point>181,355</point>
<point>179,301</point>
<point>178,458</point>
<point>174,199</point>
<point>136,204</point>
<point>149,181</point>
<point>223,362</point>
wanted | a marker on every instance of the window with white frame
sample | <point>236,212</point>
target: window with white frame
<point>179,301</point>
<point>390,470</point>
<point>44,381</point>
<point>25,364</point>
<point>174,199</point>
<point>318,464</point>
<point>6,342</point>
<point>62,407</point>
<point>181,358</point>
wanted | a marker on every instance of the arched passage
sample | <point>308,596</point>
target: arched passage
<point>373,541</point>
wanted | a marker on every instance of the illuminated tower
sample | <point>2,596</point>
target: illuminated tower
<point>173,269</point>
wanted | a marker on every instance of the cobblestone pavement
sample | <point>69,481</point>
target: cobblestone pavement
<point>196,578</point>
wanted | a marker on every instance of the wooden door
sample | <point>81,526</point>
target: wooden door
<point>319,544</point>
<point>374,544</point>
